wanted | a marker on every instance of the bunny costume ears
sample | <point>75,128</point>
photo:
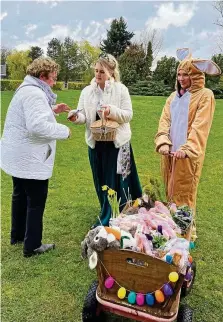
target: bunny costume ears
<point>203,65</point>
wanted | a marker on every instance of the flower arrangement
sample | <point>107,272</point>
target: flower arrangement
<point>113,200</point>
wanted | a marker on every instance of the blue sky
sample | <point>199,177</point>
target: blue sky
<point>178,24</point>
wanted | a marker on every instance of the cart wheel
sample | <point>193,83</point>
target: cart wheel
<point>187,285</point>
<point>89,312</point>
<point>185,314</point>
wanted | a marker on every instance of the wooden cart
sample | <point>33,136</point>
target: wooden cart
<point>150,275</point>
<point>143,274</point>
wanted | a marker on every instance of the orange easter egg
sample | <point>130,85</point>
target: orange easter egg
<point>159,296</point>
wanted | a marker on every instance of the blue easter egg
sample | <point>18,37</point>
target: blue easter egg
<point>132,297</point>
<point>169,259</point>
<point>150,299</point>
<point>192,245</point>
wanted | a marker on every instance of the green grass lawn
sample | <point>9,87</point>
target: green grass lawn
<point>52,287</point>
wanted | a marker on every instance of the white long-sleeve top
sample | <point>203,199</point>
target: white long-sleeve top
<point>28,143</point>
<point>116,95</point>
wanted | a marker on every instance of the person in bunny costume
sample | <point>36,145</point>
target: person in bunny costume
<point>184,127</point>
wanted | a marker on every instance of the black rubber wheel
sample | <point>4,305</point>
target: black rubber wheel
<point>185,314</point>
<point>187,285</point>
<point>89,312</point>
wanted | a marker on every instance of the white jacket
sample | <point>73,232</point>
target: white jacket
<point>116,95</point>
<point>28,143</point>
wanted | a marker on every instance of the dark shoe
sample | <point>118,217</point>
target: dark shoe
<point>40,250</point>
<point>16,242</point>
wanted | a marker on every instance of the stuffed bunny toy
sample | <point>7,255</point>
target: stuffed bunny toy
<point>96,241</point>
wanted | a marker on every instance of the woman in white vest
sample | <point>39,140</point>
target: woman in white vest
<point>28,149</point>
<point>112,163</point>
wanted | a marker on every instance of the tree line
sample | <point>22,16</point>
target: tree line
<point>77,59</point>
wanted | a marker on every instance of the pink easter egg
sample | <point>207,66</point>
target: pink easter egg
<point>109,282</point>
<point>140,299</point>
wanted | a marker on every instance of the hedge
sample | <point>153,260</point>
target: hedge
<point>77,85</point>
<point>12,85</point>
<point>151,88</point>
<point>144,88</point>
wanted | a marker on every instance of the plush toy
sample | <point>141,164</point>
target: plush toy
<point>127,241</point>
<point>96,241</point>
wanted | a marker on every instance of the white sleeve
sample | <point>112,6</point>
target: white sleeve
<point>124,113</point>
<point>81,116</point>
<point>36,116</point>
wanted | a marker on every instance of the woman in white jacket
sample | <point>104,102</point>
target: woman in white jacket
<point>112,163</point>
<point>28,148</point>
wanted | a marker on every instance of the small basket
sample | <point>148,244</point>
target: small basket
<point>104,130</point>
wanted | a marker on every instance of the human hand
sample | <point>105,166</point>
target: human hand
<point>105,109</point>
<point>60,108</point>
<point>72,116</point>
<point>164,149</point>
<point>179,154</point>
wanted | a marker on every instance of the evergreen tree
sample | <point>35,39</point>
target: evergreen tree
<point>35,52</point>
<point>118,38</point>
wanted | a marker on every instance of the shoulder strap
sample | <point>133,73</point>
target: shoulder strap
<point>30,85</point>
<point>25,86</point>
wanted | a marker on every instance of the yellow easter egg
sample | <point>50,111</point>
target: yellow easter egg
<point>173,277</point>
<point>121,293</point>
<point>159,296</point>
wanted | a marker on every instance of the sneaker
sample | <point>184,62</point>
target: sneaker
<point>40,250</point>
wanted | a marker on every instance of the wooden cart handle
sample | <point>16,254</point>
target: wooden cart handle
<point>171,183</point>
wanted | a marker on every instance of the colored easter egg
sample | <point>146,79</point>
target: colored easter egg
<point>167,290</point>
<point>109,282</point>
<point>159,296</point>
<point>121,293</point>
<point>150,299</point>
<point>132,297</point>
<point>188,276</point>
<point>173,277</point>
<point>140,299</point>
<point>169,259</point>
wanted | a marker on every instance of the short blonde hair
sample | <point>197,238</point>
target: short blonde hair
<point>110,64</point>
<point>42,65</point>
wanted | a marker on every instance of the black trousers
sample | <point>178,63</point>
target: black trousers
<point>28,204</point>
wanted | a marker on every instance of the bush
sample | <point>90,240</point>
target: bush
<point>59,86</point>
<point>218,92</point>
<point>76,85</point>
<point>88,76</point>
<point>10,85</point>
<point>216,88</point>
<point>150,88</point>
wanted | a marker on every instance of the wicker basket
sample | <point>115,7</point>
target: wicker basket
<point>104,130</point>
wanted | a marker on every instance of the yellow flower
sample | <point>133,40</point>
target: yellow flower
<point>136,203</point>
<point>104,188</point>
<point>111,192</point>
